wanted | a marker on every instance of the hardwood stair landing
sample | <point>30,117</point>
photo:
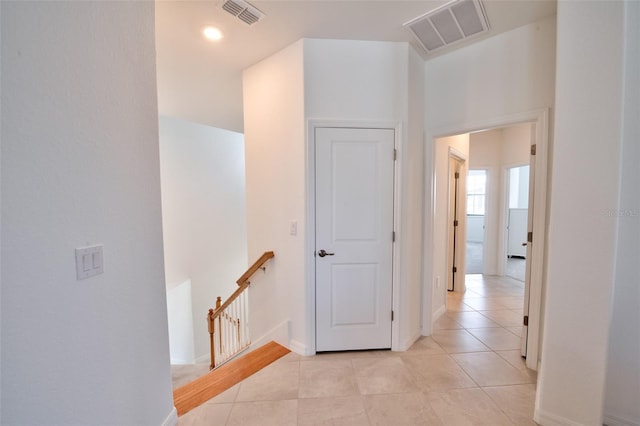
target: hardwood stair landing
<point>191,395</point>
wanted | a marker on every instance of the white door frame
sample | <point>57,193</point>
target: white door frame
<point>541,120</point>
<point>310,240</point>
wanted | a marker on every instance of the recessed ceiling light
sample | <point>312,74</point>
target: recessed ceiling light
<point>212,33</point>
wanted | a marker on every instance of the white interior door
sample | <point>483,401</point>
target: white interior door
<point>354,172</point>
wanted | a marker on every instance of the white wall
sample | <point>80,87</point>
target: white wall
<point>623,363</point>
<point>79,166</point>
<point>413,206</point>
<point>203,214</point>
<point>337,87</point>
<point>582,236</point>
<point>506,75</point>
<point>485,149</point>
<point>180,319</point>
<point>440,248</point>
<point>516,142</point>
<point>275,179</point>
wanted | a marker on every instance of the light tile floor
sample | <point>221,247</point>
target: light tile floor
<point>469,372</point>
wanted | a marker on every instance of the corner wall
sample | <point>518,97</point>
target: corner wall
<point>203,215</point>
<point>582,233</point>
<point>623,364</point>
<point>80,166</point>
<point>440,244</point>
<point>275,177</point>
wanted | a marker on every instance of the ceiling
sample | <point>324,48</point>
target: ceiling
<point>201,81</point>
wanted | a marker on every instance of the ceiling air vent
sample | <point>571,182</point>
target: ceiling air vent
<point>455,21</point>
<point>243,11</point>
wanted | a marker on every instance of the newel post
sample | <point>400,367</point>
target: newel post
<point>211,344</point>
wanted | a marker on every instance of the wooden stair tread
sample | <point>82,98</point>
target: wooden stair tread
<point>191,395</point>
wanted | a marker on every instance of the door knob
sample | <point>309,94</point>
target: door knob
<point>323,253</point>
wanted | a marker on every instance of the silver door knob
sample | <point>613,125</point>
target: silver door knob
<point>323,253</point>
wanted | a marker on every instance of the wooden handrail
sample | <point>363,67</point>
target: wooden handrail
<point>243,282</point>
<point>214,313</point>
<point>253,268</point>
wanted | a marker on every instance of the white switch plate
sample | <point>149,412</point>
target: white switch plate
<point>89,261</point>
<point>293,227</point>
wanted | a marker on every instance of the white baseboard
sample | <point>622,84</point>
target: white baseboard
<point>548,419</point>
<point>203,359</point>
<point>437,314</point>
<point>611,419</point>
<point>172,418</point>
<point>178,361</point>
<point>300,348</point>
<point>278,334</point>
<point>409,342</point>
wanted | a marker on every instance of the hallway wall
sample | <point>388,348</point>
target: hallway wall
<point>582,259</point>
<point>80,166</point>
<point>623,361</point>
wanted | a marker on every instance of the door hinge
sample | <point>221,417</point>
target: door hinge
<point>533,149</point>
<point>455,222</point>
<point>392,315</point>
<point>455,269</point>
<point>457,175</point>
<point>395,154</point>
<point>529,237</point>
<point>393,237</point>
<point>525,320</point>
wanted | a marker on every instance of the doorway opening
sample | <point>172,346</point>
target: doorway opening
<point>517,221</point>
<point>528,131</point>
<point>476,207</point>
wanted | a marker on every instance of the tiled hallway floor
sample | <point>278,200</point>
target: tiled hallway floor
<point>468,373</point>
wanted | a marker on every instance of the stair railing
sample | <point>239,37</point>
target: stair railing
<point>228,323</point>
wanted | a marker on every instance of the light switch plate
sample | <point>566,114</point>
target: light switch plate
<point>89,261</point>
